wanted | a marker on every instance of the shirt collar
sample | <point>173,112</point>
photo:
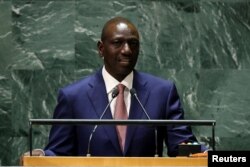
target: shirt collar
<point>111,82</point>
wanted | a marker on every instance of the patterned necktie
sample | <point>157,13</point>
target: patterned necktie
<point>121,113</point>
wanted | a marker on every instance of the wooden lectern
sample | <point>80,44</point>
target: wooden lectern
<point>114,161</point>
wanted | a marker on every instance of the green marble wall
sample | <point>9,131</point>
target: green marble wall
<point>202,45</point>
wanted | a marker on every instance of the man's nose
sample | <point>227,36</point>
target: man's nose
<point>126,48</point>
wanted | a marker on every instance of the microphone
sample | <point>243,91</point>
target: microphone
<point>133,93</point>
<point>115,92</point>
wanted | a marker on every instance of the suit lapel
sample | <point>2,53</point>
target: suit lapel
<point>136,111</point>
<point>99,98</point>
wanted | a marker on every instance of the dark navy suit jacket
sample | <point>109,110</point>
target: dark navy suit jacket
<point>87,99</point>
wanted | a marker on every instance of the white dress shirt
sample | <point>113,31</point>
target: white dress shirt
<point>111,83</point>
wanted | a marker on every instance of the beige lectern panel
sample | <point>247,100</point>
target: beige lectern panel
<point>114,161</point>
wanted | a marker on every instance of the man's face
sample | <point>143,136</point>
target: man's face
<point>120,49</point>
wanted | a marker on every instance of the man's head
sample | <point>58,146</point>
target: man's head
<point>119,46</point>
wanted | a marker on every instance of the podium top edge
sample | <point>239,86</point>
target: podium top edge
<point>121,122</point>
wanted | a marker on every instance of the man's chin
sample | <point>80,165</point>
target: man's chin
<point>124,71</point>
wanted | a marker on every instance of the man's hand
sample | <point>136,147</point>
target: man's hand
<point>35,152</point>
<point>204,154</point>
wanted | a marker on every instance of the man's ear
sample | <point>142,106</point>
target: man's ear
<point>100,48</point>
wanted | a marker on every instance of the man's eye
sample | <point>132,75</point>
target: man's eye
<point>117,43</point>
<point>133,43</point>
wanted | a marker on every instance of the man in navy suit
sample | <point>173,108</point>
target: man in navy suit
<point>87,99</point>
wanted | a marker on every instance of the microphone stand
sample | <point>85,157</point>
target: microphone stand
<point>133,92</point>
<point>114,94</point>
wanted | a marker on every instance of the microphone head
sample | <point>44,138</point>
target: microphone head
<point>115,92</point>
<point>133,92</point>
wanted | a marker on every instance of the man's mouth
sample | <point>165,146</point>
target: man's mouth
<point>125,61</point>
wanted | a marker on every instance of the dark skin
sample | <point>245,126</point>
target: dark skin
<point>119,47</point>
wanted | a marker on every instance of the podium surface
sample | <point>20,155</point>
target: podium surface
<point>114,161</point>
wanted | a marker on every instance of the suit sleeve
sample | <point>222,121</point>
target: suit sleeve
<point>180,133</point>
<point>61,138</point>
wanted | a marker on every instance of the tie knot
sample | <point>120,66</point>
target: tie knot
<point>121,88</point>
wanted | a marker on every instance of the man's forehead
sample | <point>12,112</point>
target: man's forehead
<point>121,27</point>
